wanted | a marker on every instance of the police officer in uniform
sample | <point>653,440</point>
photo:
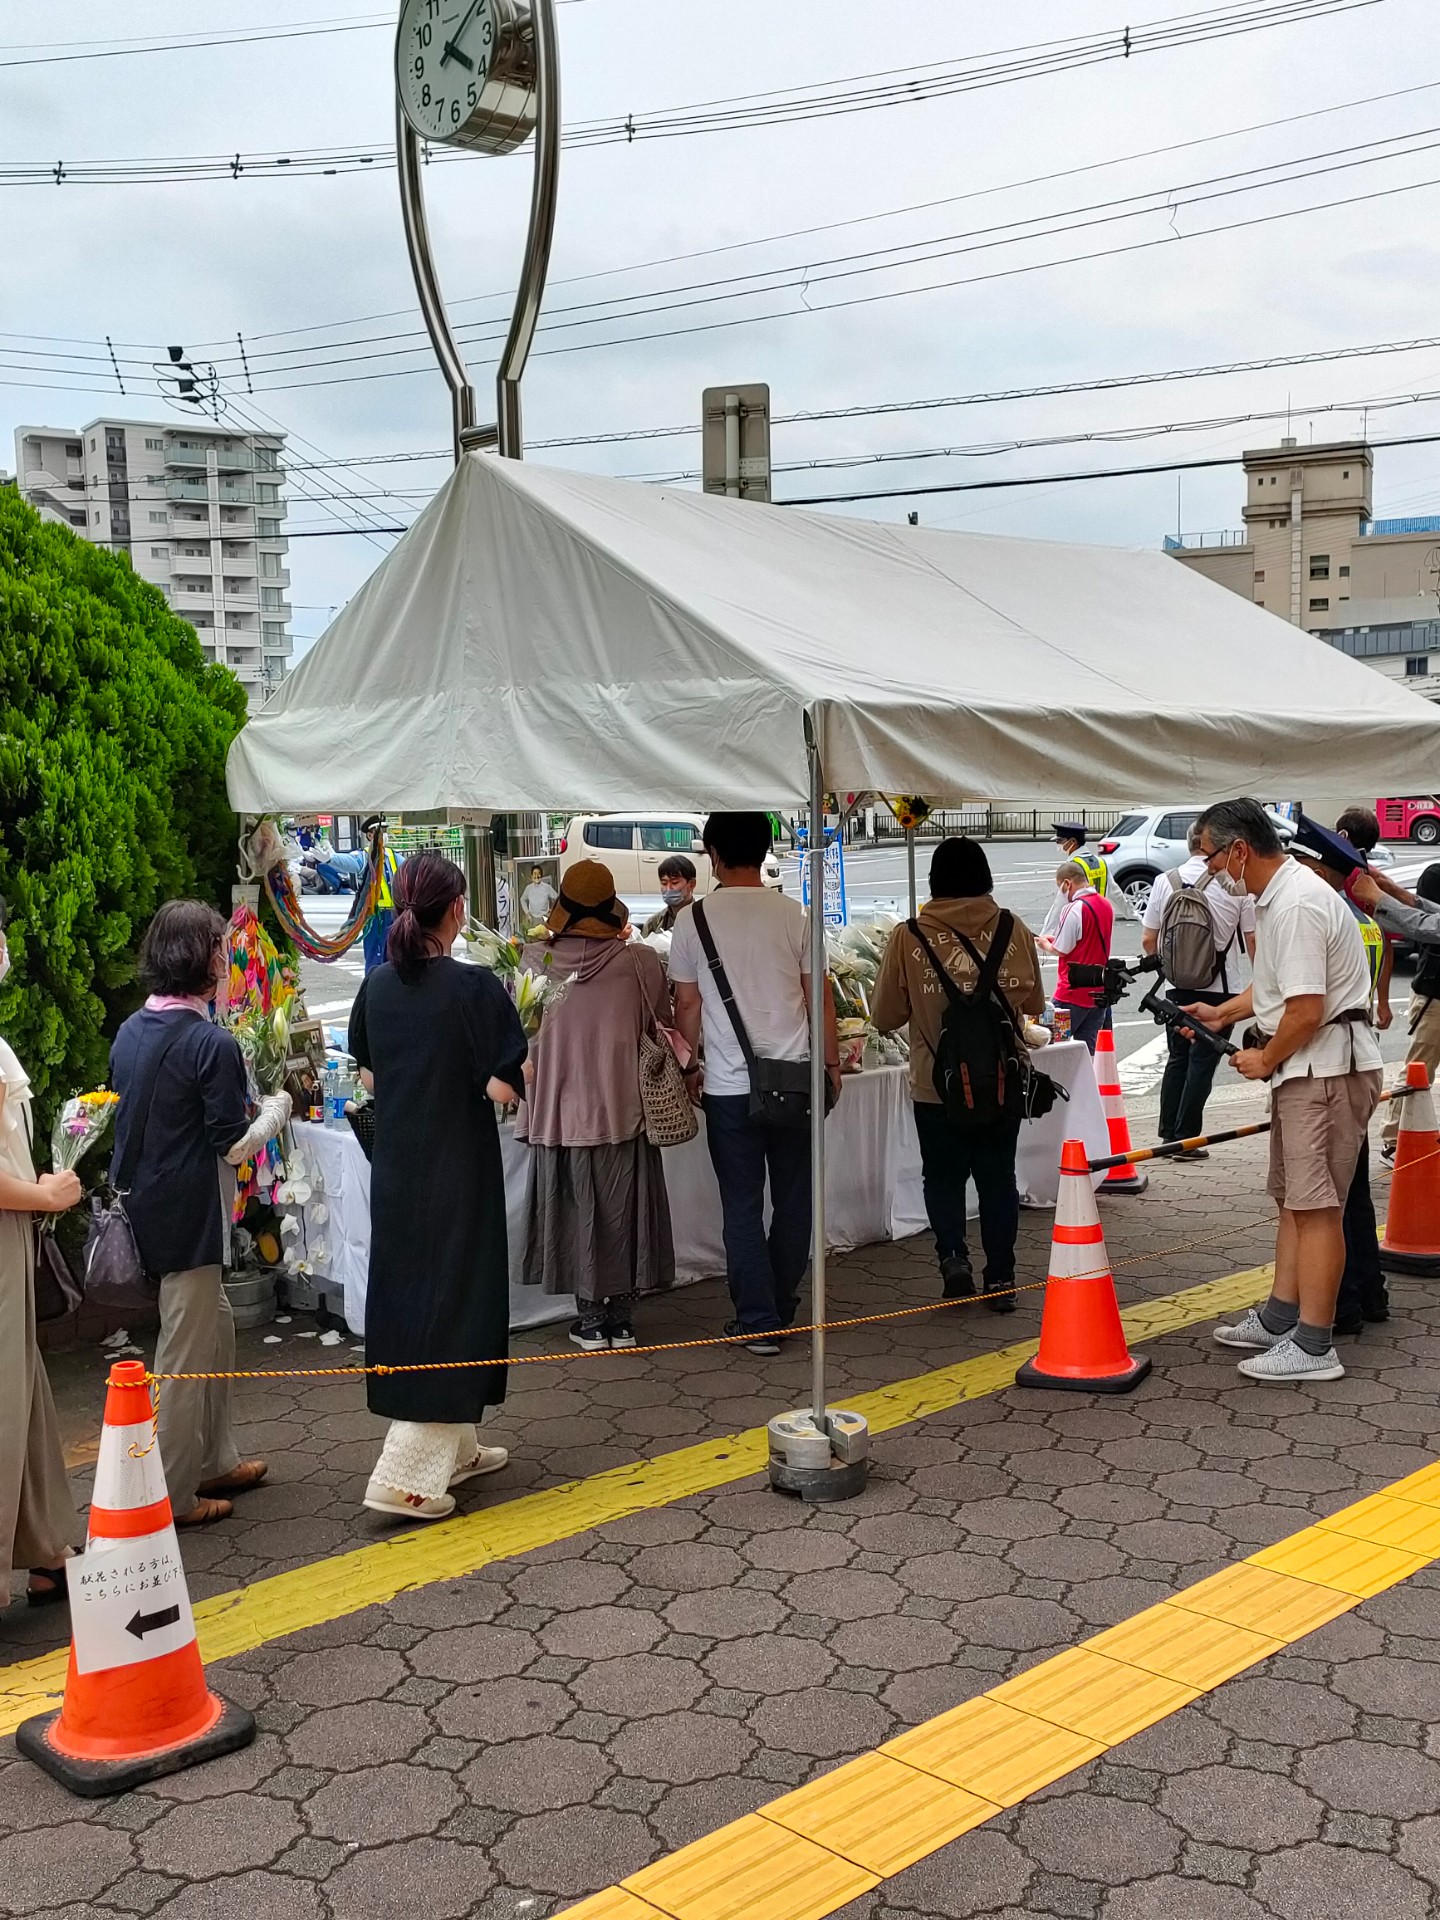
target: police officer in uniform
<point>1070,838</point>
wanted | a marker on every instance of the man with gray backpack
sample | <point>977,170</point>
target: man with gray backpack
<point>1195,925</point>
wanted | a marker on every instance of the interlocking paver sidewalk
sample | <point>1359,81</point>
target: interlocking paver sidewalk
<point>502,1744</point>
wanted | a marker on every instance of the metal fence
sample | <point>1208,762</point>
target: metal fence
<point>997,822</point>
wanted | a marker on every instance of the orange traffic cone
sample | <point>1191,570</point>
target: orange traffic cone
<point>1082,1343</point>
<point>1412,1224</point>
<point>136,1704</point>
<point>1107,1078</point>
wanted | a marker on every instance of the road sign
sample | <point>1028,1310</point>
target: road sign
<point>128,1602</point>
<point>837,909</point>
<point>735,441</point>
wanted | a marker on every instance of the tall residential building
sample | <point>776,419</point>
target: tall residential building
<point>1310,552</point>
<point>201,513</point>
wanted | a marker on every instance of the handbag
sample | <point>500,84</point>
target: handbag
<point>361,1115</point>
<point>56,1292</point>
<point>779,1089</point>
<point>116,1280</point>
<point>670,1117</point>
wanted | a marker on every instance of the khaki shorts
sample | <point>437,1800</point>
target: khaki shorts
<point>1317,1128</point>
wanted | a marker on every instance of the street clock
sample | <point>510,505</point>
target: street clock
<point>465,72</point>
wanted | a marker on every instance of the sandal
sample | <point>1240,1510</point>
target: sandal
<point>204,1513</point>
<point>51,1596</point>
<point>241,1477</point>
<point>380,1498</point>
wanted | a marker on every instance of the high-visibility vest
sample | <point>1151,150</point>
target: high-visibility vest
<point>385,899</point>
<point>1094,869</point>
<point>1374,939</point>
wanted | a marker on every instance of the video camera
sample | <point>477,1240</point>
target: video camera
<point>1113,982</point>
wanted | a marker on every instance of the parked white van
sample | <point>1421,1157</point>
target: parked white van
<point>633,845</point>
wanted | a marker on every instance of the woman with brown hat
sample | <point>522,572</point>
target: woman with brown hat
<point>597,1213</point>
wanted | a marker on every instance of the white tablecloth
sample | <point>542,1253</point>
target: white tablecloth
<point>872,1183</point>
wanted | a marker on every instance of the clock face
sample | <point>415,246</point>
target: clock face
<point>443,55</point>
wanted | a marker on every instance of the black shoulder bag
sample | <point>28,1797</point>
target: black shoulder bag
<point>779,1089</point>
<point>115,1275</point>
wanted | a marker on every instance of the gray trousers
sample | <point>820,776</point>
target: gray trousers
<point>197,1335</point>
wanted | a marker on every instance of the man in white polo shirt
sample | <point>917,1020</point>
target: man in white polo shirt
<point>1313,1042</point>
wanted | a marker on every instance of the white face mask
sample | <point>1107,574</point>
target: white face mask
<point>4,961</point>
<point>1233,882</point>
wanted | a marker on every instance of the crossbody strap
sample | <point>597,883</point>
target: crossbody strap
<point>135,1135</point>
<point>723,988</point>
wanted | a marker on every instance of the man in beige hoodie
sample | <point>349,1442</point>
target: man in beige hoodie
<point>960,904</point>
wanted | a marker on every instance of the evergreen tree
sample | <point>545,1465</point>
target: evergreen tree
<point>113,733</point>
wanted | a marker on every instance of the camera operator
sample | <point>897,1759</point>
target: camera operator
<point>1190,1065</point>
<point>1310,1000</point>
<point>1083,936</point>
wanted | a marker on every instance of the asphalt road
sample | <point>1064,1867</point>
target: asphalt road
<point>876,884</point>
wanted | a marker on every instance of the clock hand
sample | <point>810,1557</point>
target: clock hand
<point>451,49</point>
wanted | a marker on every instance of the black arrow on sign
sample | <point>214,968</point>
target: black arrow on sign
<point>143,1623</point>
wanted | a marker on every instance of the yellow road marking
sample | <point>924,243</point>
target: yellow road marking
<point>324,1590</point>
<point>882,1812</point>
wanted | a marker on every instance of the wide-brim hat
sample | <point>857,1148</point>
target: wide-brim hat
<point>587,904</point>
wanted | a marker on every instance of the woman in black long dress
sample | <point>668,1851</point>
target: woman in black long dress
<point>438,1042</point>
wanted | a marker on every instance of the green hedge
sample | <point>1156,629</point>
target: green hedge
<point>113,732</point>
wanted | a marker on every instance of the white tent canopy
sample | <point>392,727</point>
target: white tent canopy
<point>551,640</point>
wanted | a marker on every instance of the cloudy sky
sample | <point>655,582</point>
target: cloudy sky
<point>1036,216</point>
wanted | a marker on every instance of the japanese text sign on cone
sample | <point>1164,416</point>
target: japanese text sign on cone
<point>1412,1221</point>
<point>136,1704</point>
<point>1082,1343</point>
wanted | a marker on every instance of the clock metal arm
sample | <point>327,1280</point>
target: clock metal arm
<point>427,285</point>
<point>541,230</point>
<point>530,96</point>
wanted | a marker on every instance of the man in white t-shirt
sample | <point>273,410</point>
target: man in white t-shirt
<point>762,941</point>
<point>1310,1000</point>
<point>1190,1065</point>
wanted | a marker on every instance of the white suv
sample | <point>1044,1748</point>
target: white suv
<point>1145,844</point>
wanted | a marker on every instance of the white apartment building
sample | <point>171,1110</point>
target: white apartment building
<point>199,510</point>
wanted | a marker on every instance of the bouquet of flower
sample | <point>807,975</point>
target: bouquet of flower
<point>493,950</point>
<point>259,1006</point>
<point>531,991</point>
<point>264,1039</point>
<point>82,1122</point>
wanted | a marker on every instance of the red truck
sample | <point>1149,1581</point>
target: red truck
<point>1416,818</point>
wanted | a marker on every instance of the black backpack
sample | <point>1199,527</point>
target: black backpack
<point>980,1069</point>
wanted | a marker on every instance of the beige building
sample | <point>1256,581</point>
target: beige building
<point>1310,552</point>
<point>201,513</point>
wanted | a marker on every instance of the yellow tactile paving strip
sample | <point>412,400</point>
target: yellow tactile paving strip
<point>369,1576</point>
<point>886,1810</point>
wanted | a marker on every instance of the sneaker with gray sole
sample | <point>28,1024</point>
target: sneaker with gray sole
<point>1286,1361</point>
<point>1250,1332</point>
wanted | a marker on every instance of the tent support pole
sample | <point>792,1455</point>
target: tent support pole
<point>821,1454</point>
<point>910,867</point>
<point>815,854</point>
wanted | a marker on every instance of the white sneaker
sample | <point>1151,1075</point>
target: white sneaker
<point>1286,1361</point>
<point>486,1460</point>
<point>1249,1331</point>
<point>406,1506</point>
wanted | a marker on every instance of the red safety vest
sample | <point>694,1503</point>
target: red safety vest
<point>1092,949</point>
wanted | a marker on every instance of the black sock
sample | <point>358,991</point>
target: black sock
<point>1279,1316</point>
<point>1312,1340</point>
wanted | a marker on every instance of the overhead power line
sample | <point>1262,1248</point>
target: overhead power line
<point>864,93</point>
<point>588,316</point>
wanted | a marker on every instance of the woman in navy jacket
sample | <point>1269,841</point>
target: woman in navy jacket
<point>181,1079</point>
